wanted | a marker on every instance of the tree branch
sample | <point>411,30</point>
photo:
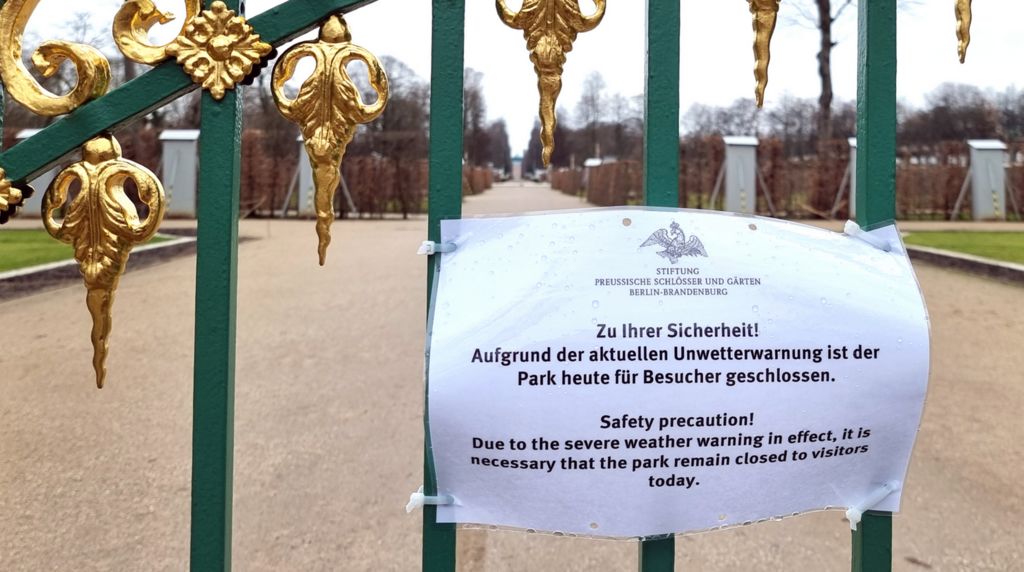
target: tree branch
<point>839,12</point>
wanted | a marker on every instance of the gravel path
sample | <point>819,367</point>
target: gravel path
<point>329,424</point>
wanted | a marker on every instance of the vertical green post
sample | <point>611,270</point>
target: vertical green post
<point>661,106</point>
<point>872,543</point>
<point>445,202</point>
<point>876,199</point>
<point>213,400</point>
<point>661,171</point>
<point>876,113</point>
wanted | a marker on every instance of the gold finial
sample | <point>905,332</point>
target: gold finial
<point>91,67</point>
<point>963,27</point>
<point>550,27</point>
<point>131,28</point>
<point>102,225</point>
<point>327,109</point>
<point>763,14</point>
<point>218,49</point>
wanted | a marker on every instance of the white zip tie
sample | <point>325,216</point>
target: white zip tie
<point>854,230</point>
<point>418,500</point>
<point>854,513</point>
<point>429,247</point>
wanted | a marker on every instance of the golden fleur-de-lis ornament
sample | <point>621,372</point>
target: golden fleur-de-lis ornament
<point>550,27</point>
<point>102,225</point>
<point>327,109</point>
<point>763,14</point>
<point>963,27</point>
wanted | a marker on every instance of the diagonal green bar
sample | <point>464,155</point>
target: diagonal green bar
<point>445,202</point>
<point>152,90</point>
<point>876,199</point>
<point>661,171</point>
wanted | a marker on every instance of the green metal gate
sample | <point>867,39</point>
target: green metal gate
<point>875,195</point>
<point>218,220</point>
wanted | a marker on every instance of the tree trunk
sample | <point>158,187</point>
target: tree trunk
<point>823,190</point>
<point>825,70</point>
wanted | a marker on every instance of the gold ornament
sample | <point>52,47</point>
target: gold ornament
<point>131,28</point>
<point>10,196</point>
<point>91,67</point>
<point>550,27</point>
<point>102,225</point>
<point>218,49</point>
<point>763,14</point>
<point>328,108</point>
<point>963,27</point>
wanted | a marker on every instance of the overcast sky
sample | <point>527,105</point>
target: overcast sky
<point>717,61</point>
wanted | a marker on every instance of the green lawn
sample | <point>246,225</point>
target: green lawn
<point>23,248</point>
<point>1005,246</point>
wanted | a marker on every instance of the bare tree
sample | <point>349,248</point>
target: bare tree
<point>500,155</point>
<point>590,109</point>
<point>822,14</point>
<point>739,118</point>
<point>474,116</point>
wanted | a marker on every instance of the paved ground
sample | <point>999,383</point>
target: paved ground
<point>329,424</point>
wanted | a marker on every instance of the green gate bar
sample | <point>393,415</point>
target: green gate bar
<point>218,225</point>
<point>444,202</point>
<point>661,172</point>
<point>213,394</point>
<point>876,199</point>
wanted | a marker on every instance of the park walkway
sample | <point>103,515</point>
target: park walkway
<point>329,424</point>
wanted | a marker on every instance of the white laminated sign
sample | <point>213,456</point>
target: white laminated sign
<point>631,372</point>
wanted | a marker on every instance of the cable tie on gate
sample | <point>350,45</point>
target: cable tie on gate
<point>854,230</point>
<point>429,247</point>
<point>855,512</point>
<point>418,500</point>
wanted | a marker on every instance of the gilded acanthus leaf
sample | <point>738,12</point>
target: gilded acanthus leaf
<point>131,28</point>
<point>328,108</point>
<point>550,28</point>
<point>218,48</point>
<point>102,225</point>
<point>763,14</point>
<point>963,27</point>
<point>91,68</point>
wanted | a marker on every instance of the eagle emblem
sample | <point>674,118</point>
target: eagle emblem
<point>675,243</point>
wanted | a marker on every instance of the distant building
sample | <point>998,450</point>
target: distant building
<point>517,168</point>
